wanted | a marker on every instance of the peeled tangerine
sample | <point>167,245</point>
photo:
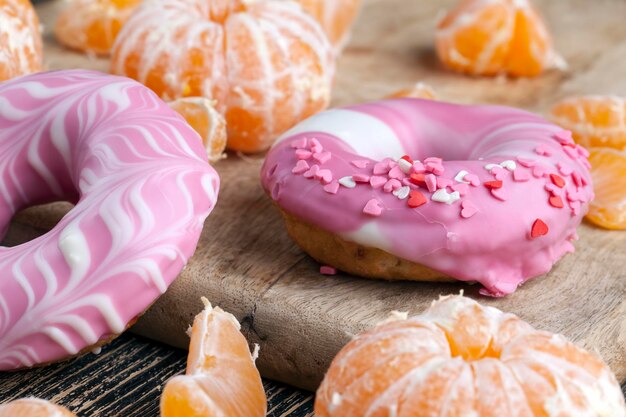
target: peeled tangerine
<point>221,379</point>
<point>201,114</point>
<point>267,64</point>
<point>599,122</point>
<point>489,37</point>
<point>20,39</point>
<point>460,359</point>
<point>33,407</point>
<point>92,25</point>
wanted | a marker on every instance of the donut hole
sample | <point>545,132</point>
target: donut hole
<point>32,222</point>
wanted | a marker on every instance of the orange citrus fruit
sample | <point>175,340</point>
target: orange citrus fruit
<point>417,90</point>
<point>488,37</point>
<point>335,16</point>
<point>33,407</point>
<point>92,25</point>
<point>268,64</point>
<point>593,120</point>
<point>461,359</point>
<point>20,39</point>
<point>221,379</point>
<point>200,113</point>
<point>608,170</point>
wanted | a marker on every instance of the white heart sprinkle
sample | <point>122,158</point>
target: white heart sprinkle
<point>489,167</point>
<point>347,182</point>
<point>441,196</point>
<point>454,196</point>
<point>460,177</point>
<point>508,164</point>
<point>402,192</point>
<point>404,165</point>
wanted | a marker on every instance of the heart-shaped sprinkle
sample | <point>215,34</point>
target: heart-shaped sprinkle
<point>406,158</point>
<point>361,178</point>
<point>436,169</point>
<point>347,182</point>
<point>303,154</point>
<point>564,136</point>
<point>564,169</point>
<point>499,172</point>
<point>373,208</point>
<point>493,184</point>
<point>376,181</point>
<point>441,196</point>
<point>468,209</point>
<point>472,179</point>
<point>462,188</point>
<point>301,166</point>
<point>431,182</point>
<point>520,175</point>
<point>316,146</point>
<point>509,165</point>
<point>324,175</point>
<point>557,180</point>
<point>454,196</point>
<point>392,185</point>
<point>460,177</point>
<point>582,151</point>
<point>416,199</point>
<point>528,163</point>
<point>553,189</point>
<point>539,171</point>
<point>381,168</point>
<point>396,173</point>
<point>433,159</point>
<point>402,192</point>
<point>332,188</point>
<point>539,228</point>
<point>577,179</point>
<point>500,193</point>
<point>418,179</point>
<point>571,152</point>
<point>418,167</point>
<point>360,163</point>
<point>300,143</point>
<point>404,165</point>
<point>322,157</point>
<point>312,171</point>
<point>543,150</point>
<point>556,201</point>
<point>489,167</point>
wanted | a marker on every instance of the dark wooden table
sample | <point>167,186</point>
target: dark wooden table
<point>125,380</point>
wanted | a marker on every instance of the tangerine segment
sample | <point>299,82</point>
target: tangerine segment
<point>462,359</point>
<point>417,90</point>
<point>33,407</point>
<point>608,169</point>
<point>20,39</point>
<point>267,64</point>
<point>488,37</point>
<point>335,16</point>
<point>221,377</point>
<point>593,120</point>
<point>92,25</point>
<point>201,114</point>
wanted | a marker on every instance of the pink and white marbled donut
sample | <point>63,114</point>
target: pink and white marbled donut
<point>484,193</point>
<point>142,187</point>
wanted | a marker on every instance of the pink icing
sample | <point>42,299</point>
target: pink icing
<point>142,188</point>
<point>477,233</point>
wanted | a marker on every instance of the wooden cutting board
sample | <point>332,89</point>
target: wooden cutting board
<point>246,263</point>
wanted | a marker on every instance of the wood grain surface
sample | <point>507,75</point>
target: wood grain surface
<point>246,263</point>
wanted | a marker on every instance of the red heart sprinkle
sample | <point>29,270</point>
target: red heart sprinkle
<point>556,201</point>
<point>493,184</point>
<point>557,180</point>
<point>539,229</point>
<point>416,199</point>
<point>418,179</point>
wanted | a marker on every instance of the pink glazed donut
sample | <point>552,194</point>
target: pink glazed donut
<point>424,190</point>
<point>142,186</point>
